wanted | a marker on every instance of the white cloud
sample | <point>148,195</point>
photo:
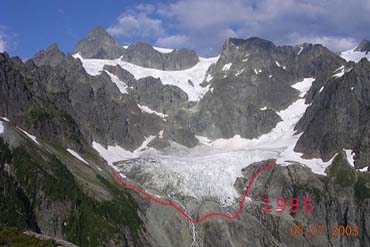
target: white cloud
<point>137,23</point>
<point>207,23</point>
<point>173,41</point>
<point>333,42</point>
<point>3,43</point>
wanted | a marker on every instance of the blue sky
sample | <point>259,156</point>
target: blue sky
<point>28,26</point>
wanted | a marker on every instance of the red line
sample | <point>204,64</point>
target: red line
<point>169,204</point>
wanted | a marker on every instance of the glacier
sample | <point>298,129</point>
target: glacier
<point>209,170</point>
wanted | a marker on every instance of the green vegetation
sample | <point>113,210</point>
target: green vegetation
<point>362,187</point>
<point>38,176</point>
<point>311,190</point>
<point>342,173</point>
<point>14,205</point>
<point>38,114</point>
<point>96,222</point>
<point>14,238</point>
<point>43,114</point>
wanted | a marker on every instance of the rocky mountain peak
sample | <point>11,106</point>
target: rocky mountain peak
<point>99,32</point>
<point>53,47</point>
<point>99,44</point>
<point>51,56</point>
<point>145,55</point>
<point>253,42</point>
<point>364,46</point>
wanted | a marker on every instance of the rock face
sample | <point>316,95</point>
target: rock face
<point>50,192</point>
<point>340,198</point>
<point>252,80</point>
<point>146,56</point>
<point>51,96</point>
<point>20,103</point>
<point>339,117</point>
<point>95,104</point>
<point>364,46</point>
<point>337,199</point>
<point>181,59</point>
<point>99,44</point>
<point>149,91</point>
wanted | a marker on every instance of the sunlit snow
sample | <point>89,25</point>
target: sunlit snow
<point>339,72</point>
<point>239,72</point>
<point>120,84</point>
<point>33,138</point>
<point>150,111</point>
<point>77,155</point>
<point>350,158</point>
<point>1,127</point>
<point>365,169</point>
<point>180,78</point>
<point>163,50</point>
<point>355,56</point>
<point>226,67</point>
<point>210,169</point>
<point>300,50</point>
<point>116,153</point>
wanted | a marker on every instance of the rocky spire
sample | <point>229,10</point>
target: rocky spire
<point>364,46</point>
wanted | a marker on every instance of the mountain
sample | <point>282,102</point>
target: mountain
<point>252,81</point>
<point>364,46</point>
<point>186,130</point>
<point>99,44</point>
<point>339,117</point>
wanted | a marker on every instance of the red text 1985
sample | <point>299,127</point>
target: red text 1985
<point>294,205</point>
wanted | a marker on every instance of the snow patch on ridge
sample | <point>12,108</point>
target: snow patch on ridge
<point>350,157</point>
<point>1,127</point>
<point>180,78</point>
<point>339,72</point>
<point>226,67</point>
<point>150,111</point>
<point>77,155</point>
<point>163,50</point>
<point>355,56</point>
<point>239,72</point>
<point>33,138</point>
<point>120,84</point>
<point>300,50</point>
<point>116,153</point>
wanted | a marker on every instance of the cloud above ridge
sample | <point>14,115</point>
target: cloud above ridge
<point>204,25</point>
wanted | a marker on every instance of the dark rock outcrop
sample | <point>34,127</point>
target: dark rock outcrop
<point>339,117</point>
<point>146,56</point>
<point>252,80</point>
<point>364,46</point>
<point>33,111</point>
<point>99,44</point>
<point>340,198</point>
<point>94,104</point>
